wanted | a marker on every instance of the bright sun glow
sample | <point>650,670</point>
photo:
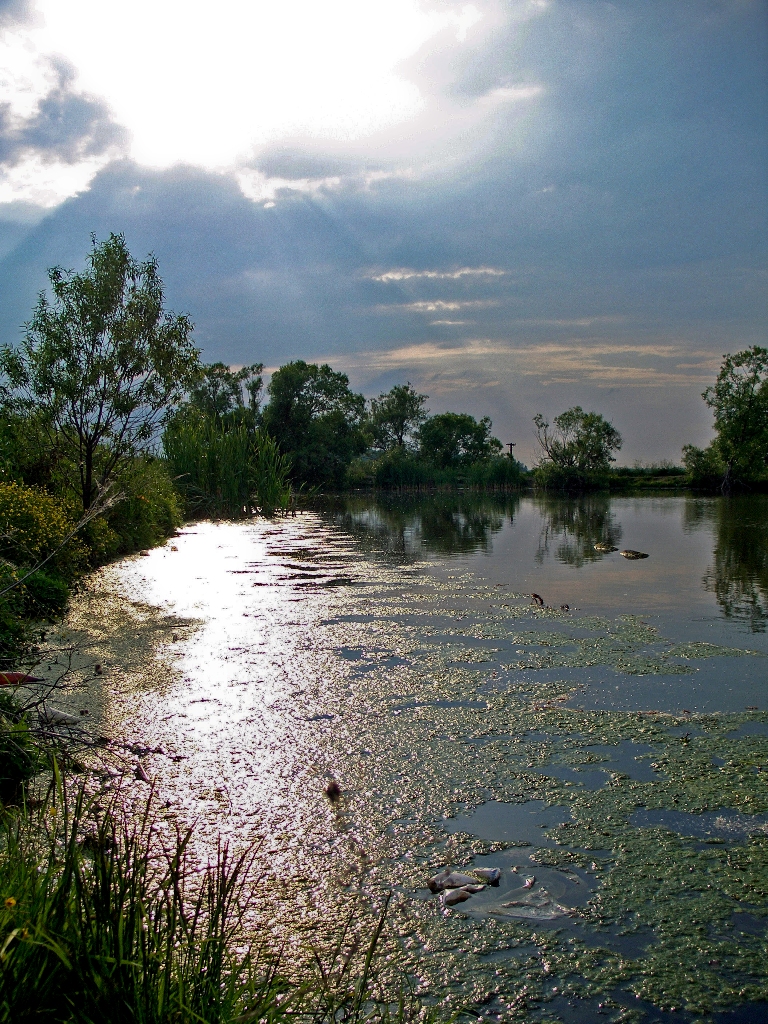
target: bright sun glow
<point>204,85</point>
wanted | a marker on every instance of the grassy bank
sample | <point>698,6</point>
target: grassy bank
<point>101,920</point>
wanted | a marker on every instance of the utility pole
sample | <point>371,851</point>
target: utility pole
<point>511,445</point>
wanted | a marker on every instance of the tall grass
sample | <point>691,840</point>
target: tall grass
<point>226,469</point>
<point>99,923</point>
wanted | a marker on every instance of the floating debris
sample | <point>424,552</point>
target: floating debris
<point>52,716</point>
<point>447,879</point>
<point>333,791</point>
<point>453,896</point>
<point>533,906</point>
<point>15,678</point>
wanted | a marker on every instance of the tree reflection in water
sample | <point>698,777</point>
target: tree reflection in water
<point>577,524</point>
<point>739,575</point>
<point>411,525</point>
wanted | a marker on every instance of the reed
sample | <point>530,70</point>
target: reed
<point>98,922</point>
<point>226,468</point>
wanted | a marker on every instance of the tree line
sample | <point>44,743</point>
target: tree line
<point>111,424</point>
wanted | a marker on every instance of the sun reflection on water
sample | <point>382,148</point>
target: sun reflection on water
<point>287,654</point>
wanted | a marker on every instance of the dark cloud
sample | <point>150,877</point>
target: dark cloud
<point>15,11</point>
<point>624,209</point>
<point>296,164</point>
<point>67,126</point>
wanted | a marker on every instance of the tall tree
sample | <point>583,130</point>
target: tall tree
<point>316,420</point>
<point>580,446</point>
<point>397,415</point>
<point>221,391</point>
<point>453,439</point>
<point>739,398</point>
<point>102,361</point>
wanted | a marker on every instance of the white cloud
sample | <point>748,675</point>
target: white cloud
<point>46,183</point>
<point>435,306</point>
<point>510,94</point>
<point>404,274</point>
<point>204,85</point>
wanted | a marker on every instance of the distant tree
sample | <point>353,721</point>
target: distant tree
<point>221,391</point>
<point>101,363</point>
<point>397,415</point>
<point>578,449</point>
<point>316,420</point>
<point>453,439</point>
<point>739,398</point>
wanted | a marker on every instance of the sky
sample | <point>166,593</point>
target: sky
<point>517,205</point>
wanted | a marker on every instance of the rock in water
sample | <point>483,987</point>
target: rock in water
<point>491,875</point>
<point>450,880</point>
<point>632,555</point>
<point>435,884</point>
<point>454,896</point>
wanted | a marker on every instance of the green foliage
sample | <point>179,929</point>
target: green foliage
<point>397,415</point>
<point>739,398</point>
<point>450,440</point>
<point>317,421</point>
<point>99,923</point>
<point>225,468</point>
<point>150,510</point>
<point>579,451</point>
<point>26,453</point>
<point>221,392</point>
<point>102,362</point>
<point>45,594</point>
<point>108,932</point>
<point>703,465</point>
<point>34,527</point>
<point>400,469</point>
<point>20,758</point>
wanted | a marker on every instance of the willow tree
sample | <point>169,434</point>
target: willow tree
<point>102,361</point>
<point>578,449</point>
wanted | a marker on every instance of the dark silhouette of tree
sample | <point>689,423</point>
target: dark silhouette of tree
<point>579,448</point>
<point>397,415</point>
<point>453,439</point>
<point>316,420</point>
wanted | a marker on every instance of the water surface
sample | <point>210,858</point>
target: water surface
<point>394,646</point>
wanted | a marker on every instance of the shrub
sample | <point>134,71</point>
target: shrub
<point>20,758</point>
<point>150,509</point>
<point>704,465</point>
<point>33,525</point>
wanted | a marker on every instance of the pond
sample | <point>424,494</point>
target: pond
<point>607,738</point>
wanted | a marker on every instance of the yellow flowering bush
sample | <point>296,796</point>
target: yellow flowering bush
<point>33,524</point>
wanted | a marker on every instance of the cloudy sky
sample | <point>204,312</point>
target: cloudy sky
<point>518,205</point>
